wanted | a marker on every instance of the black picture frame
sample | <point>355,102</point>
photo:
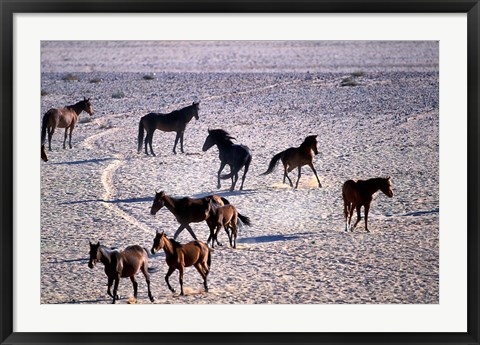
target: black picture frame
<point>10,7</point>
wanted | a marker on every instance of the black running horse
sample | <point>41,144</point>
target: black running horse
<point>235,155</point>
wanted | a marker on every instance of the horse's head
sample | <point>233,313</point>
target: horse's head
<point>311,142</point>
<point>44,153</point>
<point>196,107</point>
<point>87,106</point>
<point>158,203</point>
<point>158,242</point>
<point>94,253</point>
<point>386,186</point>
<point>209,141</point>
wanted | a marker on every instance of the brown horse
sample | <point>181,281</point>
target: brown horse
<point>44,154</point>
<point>121,264</point>
<point>186,210</point>
<point>64,118</point>
<point>296,157</point>
<point>226,216</point>
<point>360,193</point>
<point>176,121</point>
<point>178,256</point>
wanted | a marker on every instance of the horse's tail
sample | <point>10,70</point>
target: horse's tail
<point>209,259</point>
<point>273,163</point>
<point>245,220</point>
<point>45,119</point>
<point>141,130</point>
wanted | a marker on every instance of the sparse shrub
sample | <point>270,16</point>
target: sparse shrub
<point>95,80</point>
<point>70,77</point>
<point>118,95</point>
<point>358,74</point>
<point>149,77</point>
<point>349,81</point>
<point>44,92</point>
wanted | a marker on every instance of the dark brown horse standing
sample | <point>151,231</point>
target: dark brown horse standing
<point>226,216</point>
<point>63,118</point>
<point>121,264</point>
<point>186,210</point>
<point>296,157</point>
<point>178,256</point>
<point>176,121</point>
<point>360,193</point>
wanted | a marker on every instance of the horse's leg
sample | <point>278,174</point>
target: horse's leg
<point>150,141</point>
<point>179,230</point>
<point>181,141</point>
<point>285,174</point>
<point>216,234</point>
<point>191,232</point>
<point>222,165</point>
<point>109,285</point>
<point>70,136</point>
<point>50,134</point>
<point>144,269</point>
<point>135,286</point>
<point>350,217</point>
<point>199,268</point>
<point>299,174</point>
<point>65,137</point>
<point>169,273</point>
<point>367,208</point>
<point>359,216</point>
<point>245,170</point>
<point>180,279</point>
<point>115,289</point>
<point>234,236</point>
<point>228,234</point>
<point>176,141</point>
<point>315,172</point>
<point>146,142</point>
<point>234,181</point>
<point>345,213</point>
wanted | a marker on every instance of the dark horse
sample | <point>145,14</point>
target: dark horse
<point>43,154</point>
<point>296,157</point>
<point>226,216</point>
<point>63,118</point>
<point>358,194</point>
<point>178,256</point>
<point>121,264</point>
<point>186,210</point>
<point>176,121</point>
<point>235,155</point>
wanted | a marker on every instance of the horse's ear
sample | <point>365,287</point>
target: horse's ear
<point>98,243</point>
<point>388,177</point>
<point>90,242</point>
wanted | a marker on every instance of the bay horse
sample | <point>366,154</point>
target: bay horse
<point>175,121</point>
<point>235,155</point>
<point>186,210</point>
<point>360,193</point>
<point>178,256</point>
<point>121,264</point>
<point>226,216</point>
<point>43,154</point>
<point>63,118</point>
<point>296,157</point>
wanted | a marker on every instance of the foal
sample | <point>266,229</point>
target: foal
<point>360,193</point>
<point>178,256</point>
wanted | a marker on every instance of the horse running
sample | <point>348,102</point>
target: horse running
<point>176,121</point>
<point>43,154</point>
<point>360,193</point>
<point>226,216</point>
<point>235,155</point>
<point>121,264</point>
<point>296,157</point>
<point>178,256</point>
<point>186,210</point>
<point>63,118</point>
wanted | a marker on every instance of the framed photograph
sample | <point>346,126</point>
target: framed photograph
<point>239,172</point>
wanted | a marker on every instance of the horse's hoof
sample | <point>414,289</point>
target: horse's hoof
<point>152,299</point>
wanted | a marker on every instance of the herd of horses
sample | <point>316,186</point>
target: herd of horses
<point>216,211</point>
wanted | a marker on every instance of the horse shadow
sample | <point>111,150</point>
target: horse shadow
<point>273,238</point>
<point>116,201</point>
<point>85,161</point>
<point>226,194</point>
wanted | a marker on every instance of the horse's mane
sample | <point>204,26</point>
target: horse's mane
<point>221,135</point>
<point>175,244</point>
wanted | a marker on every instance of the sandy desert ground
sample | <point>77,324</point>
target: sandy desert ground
<point>269,96</point>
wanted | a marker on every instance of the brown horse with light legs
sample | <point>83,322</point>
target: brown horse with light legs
<point>226,216</point>
<point>178,256</point>
<point>296,157</point>
<point>176,121</point>
<point>186,210</point>
<point>43,154</point>
<point>360,193</point>
<point>63,118</point>
<point>121,264</point>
